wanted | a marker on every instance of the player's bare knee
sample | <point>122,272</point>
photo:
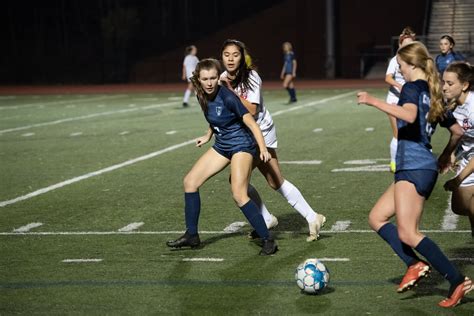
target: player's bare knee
<point>240,198</point>
<point>407,237</point>
<point>190,184</point>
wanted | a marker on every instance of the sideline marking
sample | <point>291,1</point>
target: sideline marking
<point>75,134</point>
<point>60,102</point>
<point>124,133</point>
<point>450,220</point>
<point>365,161</point>
<point>131,227</point>
<point>83,117</point>
<point>95,173</point>
<point>28,134</point>
<point>210,232</point>
<point>317,130</point>
<point>313,103</point>
<point>370,168</point>
<point>335,259</point>
<point>234,227</point>
<point>81,260</point>
<point>171,132</point>
<point>340,225</point>
<point>27,228</point>
<point>301,162</point>
<point>203,259</point>
<point>369,129</point>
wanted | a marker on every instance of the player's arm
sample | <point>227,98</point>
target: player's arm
<point>389,79</point>
<point>257,134</point>
<point>282,74</point>
<point>295,64</point>
<point>407,112</point>
<point>183,76</point>
<point>455,182</point>
<point>251,107</point>
<point>445,160</point>
<point>206,138</point>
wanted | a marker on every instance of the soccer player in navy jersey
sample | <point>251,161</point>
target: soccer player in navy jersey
<point>447,54</point>
<point>420,108</point>
<point>236,136</point>
<point>288,72</point>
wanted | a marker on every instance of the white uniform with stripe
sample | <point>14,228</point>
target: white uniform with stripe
<point>394,70</point>
<point>263,117</point>
<point>464,115</point>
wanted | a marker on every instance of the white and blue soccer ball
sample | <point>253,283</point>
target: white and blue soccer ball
<point>312,276</point>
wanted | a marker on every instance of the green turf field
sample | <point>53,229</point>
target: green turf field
<point>77,169</point>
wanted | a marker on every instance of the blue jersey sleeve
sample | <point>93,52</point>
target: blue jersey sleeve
<point>409,94</point>
<point>449,120</point>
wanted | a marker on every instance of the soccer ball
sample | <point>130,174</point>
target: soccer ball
<point>312,276</point>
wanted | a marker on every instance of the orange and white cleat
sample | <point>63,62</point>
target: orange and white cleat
<point>413,275</point>
<point>459,292</point>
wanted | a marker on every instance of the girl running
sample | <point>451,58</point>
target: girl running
<point>235,134</point>
<point>247,85</point>
<point>420,107</point>
<point>458,85</point>
<point>288,72</point>
<point>189,64</point>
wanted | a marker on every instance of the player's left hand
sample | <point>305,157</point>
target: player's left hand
<point>364,98</point>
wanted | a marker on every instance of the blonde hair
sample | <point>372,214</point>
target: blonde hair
<point>416,54</point>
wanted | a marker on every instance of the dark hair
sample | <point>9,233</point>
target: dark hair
<point>465,73</point>
<point>407,32</point>
<point>205,64</point>
<point>188,49</point>
<point>242,76</point>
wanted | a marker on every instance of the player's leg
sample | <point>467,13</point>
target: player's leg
<point>379,221</point>
<point>241,169</point>
<point>272,173</point>
<point>409,208</point>
<point>187,94</point>
<point>207,165</point>
<point>290,86</point>
<point>462,203</point>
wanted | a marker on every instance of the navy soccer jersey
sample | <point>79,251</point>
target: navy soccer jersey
<point>288,59</point>
<point>414,148</point>
<point>224,115</point>
<point>442,61</point>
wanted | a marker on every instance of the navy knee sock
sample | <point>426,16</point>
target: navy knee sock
<point>428,249</point>
<point>255,219</point>
<point>390,234</point>
<point>292,93</point>
<point>192,208</point>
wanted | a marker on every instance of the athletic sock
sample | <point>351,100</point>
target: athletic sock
<point>292,92</point>
<point>393,149</point>
<point>389,233</point>
<point>253,194</point>
<point>255,219</point>
<point>428,249</point>
<point>192,209</point>
<point>297,201</point>
<point>187,94</point>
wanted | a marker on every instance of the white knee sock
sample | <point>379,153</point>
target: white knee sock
<point>296,199</point>
<point>393,149</point>
<point>187,94</point>
<point>254,196</point>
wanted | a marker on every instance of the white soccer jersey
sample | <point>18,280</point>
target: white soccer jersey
<point>394,70</point>
<point>190,62</point>
<point>464,115</point>
<point>263,117</point>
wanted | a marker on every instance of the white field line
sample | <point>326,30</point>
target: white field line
<point>340,225</point>
<point>216,232</point>
<point>203,259</point>
<point>313,103</point>
<point>234,227</point>
<point>370,168</point>
<point>84,117</point>
<point>335,259</point>
<point>365,161</point>
<point>131,227</point>
<point>27,228</point>
<point>450,220</point>
<point>60,102</point>
<point>301,162</point>
<point>95,173</point>
<point>81,260</point>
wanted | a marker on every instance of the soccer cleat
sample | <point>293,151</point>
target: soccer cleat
<point>413,275</point>
<point>186,240</point>
<point>269,247</point>
<point>185,105</point>
<point>459,292</point>
<point>315,227</point>
<point>273,223</point>
<point>393,167</point>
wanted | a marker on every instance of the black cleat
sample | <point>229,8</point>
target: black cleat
<point>185,105</point>
<point>186,240</point>
<point>269,247</point>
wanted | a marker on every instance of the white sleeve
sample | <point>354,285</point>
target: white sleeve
<point>392,66</point>
<point>253,95</point>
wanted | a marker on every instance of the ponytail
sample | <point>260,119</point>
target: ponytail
<point>436,112</point>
